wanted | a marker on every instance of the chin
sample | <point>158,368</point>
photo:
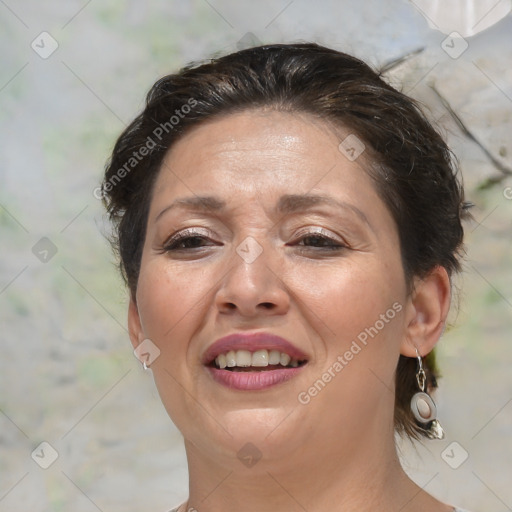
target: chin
<point>266,434</point>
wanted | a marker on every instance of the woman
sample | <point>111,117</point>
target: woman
<point>287,225</point>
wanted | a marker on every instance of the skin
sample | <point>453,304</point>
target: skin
<point>337,452</point>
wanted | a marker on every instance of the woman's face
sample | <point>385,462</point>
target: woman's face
<point>280,233</point>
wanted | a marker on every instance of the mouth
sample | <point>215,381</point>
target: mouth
<point>255,361</point>
<point>260,360</point>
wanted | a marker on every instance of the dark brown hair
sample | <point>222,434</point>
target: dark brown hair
<point>413,169</point>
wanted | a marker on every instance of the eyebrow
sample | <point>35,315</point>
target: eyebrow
<point>200,203</point>
<point>287,204</point>
<point>292,203</point>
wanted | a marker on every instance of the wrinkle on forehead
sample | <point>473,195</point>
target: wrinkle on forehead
<point>245,146</point>
<point>259,130</point>
<point>253,157</point>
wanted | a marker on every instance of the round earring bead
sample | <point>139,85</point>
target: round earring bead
<point>423,407</point>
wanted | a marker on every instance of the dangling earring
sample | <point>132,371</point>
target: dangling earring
<point>423,407</point>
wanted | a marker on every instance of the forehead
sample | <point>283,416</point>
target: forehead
<point>260,152</point>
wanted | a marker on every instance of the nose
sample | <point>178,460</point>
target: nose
<point>252,287</point>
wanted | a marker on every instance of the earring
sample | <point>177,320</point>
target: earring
<point>423,407</point>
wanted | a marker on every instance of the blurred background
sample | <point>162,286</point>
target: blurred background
<point>73,74</point>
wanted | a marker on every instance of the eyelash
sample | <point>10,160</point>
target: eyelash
<point>187,235</point>
<point>333,244</point>
<point>180,238</point>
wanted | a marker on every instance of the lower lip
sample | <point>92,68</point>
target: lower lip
<point>253,381</point>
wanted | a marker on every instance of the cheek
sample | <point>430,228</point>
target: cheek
<point>166,299</point>
<point>169,302</point>
<point>360,305</point>
<point>350,297</point>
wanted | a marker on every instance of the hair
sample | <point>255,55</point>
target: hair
<point>414,171</point>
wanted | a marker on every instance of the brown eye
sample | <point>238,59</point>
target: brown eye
<point>187,240</point>
<point>320,241</point>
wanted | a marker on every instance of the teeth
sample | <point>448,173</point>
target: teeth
<point>259,358</point>
<point>243,358</point>
<point>221,361</point>
<point>231,359</point>
<point>285,359</point>
<point>274,357</point>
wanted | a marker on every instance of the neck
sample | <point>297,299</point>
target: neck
<point>356,474</point>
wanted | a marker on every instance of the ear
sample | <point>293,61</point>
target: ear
<point>426,313</point>
<point>134,324</point>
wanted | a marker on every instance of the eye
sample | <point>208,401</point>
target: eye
<point>187,240</point>
<point>319,240</point>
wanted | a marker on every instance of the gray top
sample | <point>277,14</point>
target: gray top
<point>456,509</point>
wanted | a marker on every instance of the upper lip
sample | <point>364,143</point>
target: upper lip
<point>252,342</point>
